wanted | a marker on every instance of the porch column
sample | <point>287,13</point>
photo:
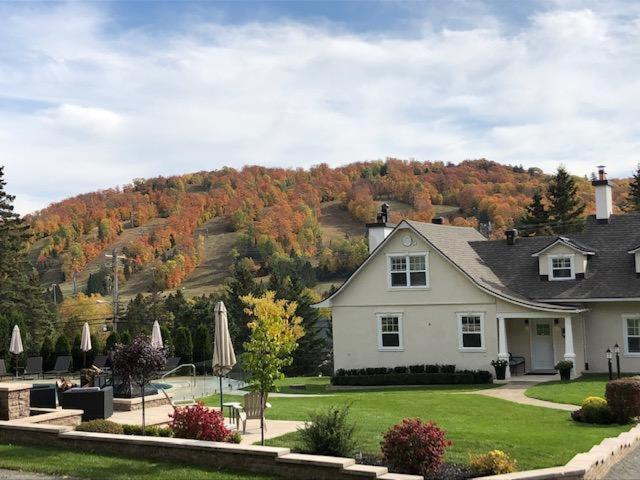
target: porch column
<point>569,353</point>
<point>503,350</point>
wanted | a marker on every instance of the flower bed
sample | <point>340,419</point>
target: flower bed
<point>384,376</point>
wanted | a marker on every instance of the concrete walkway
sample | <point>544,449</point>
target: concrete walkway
<point>16,475</point>
<point>160,416</point>
<point>626,469</point>
<point>514,392</point>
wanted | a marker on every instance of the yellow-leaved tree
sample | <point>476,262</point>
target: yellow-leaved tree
<point>274,333</point>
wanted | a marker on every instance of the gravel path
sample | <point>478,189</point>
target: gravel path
<point>14,475</point>
<point>626,469</point>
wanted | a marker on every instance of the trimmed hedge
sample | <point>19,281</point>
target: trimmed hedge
<point>457,378</point>
<point>623,398</point>
<point>431,368</point>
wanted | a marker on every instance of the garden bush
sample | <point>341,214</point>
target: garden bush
<point>198,422</point>
<point>413,446</point>
<point>100,426</point>
<point>149,431</point>
<point>432,368</point>
<point>329,432</point>
<point>447,369</point>
<point>416,368</point>
<point>496,462</point>
<point>623,398</point>
<point>595,410</point>
<point>400,369</point>
<point>234,437</point>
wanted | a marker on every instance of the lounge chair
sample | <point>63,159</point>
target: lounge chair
<point>34,367</point>
<point>3,370</point>
<point>42,396</point>
<point>62,366</point>
<point>172,362</point>
<point>250,410</point>
<point>100,361</point>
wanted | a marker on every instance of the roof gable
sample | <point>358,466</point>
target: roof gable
<point>568,242</point>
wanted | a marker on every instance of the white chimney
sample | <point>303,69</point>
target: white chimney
<point>604,197</point>
<point>379,230</point>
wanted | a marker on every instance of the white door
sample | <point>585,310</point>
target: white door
<point>542,345</point>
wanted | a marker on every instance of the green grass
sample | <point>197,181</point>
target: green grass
<point>572,392</point>
<point>317,385</point>
<point>57,461</point>
<point>537,437</point>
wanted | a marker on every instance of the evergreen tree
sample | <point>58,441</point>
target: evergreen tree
<point>77,353</point>
<point>313,348</point>
<point>241,283</point>
<point>19,290</point>
<point>180,308</point>
<point>183,345</point>
<point>47,353</point>
<point>167,339</point>
<point>202,346</point>
<point>111,342</point>
<point>536,219</point>
<point>633,201</point>
<point>99,282</point>
<point>565,208</point>
<point>143,310</point>
<point>63,347</point>
<point>125,338</point>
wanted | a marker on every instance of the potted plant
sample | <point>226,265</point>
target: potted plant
<point>564,367</point>
<point>500,367</point>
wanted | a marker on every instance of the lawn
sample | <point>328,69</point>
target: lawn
<point>537,437</point>
<point>572,392</point>
<point>56,461</point>
<point>317,385</point>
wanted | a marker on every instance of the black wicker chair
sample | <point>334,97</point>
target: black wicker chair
<point>515,362</point>
<point>42,396</point>
<point>95,402</point>
<point>3,370</point>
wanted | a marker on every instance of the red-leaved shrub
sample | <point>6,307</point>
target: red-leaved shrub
<point>199,423</point>
<point>414,447</point>
<point>623,398</point>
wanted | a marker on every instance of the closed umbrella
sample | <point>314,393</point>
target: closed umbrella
<point>85,342</point>
<point>156,336</point>
<point>16,345</point>
<point>223,356</point>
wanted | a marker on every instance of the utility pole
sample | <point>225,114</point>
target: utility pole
<point>115,263</point>
<point>75,285</point>
<point>55,299</point>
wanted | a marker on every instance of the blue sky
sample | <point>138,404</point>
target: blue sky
<point>93,95</point>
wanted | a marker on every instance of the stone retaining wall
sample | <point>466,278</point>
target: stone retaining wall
<point>270,460</point>
<point>14,400</point>
<point>132,404</point>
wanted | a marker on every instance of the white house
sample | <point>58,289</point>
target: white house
<point>430,293</point>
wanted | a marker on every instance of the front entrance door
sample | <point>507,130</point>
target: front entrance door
<point>542,345</point>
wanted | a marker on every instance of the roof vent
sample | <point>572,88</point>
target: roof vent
<point>511,235</point>
<point>437,220</point>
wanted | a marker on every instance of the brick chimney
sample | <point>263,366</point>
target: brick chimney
<point>604,197</point>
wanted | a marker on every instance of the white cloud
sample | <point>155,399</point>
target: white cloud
<point>113,104</point>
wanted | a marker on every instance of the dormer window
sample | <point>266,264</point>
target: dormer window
<point>561,267</point>
<point>408,271</point>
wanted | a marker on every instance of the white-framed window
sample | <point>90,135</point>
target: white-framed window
<point>390,331</point>
<point>631,332</point>
<point>408,270</point>
<point>471,331</point>
<point>561,267</point>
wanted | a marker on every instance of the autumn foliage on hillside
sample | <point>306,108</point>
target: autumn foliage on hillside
<point>277,210</point>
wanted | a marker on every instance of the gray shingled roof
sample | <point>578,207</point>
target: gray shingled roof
<point>610,272</point>
<point>581,247</point>
<point>456,243</point>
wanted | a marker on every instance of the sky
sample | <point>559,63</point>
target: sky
<point>95,94</point>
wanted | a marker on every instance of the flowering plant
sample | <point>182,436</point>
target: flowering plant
<point>499,363</point>
<point>413,446</point>
<point>198,422</point>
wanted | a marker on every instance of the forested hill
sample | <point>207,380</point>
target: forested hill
<point>185,231</point>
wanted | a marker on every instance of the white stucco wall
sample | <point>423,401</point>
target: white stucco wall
<point>604,330</point>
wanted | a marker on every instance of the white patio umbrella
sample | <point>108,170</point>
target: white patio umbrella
<point>85,342</point>
<point>15,347</point>
<point>224,357</point>
<point>156,336</point>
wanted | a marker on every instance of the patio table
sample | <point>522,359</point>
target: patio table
<point>233,409</point>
